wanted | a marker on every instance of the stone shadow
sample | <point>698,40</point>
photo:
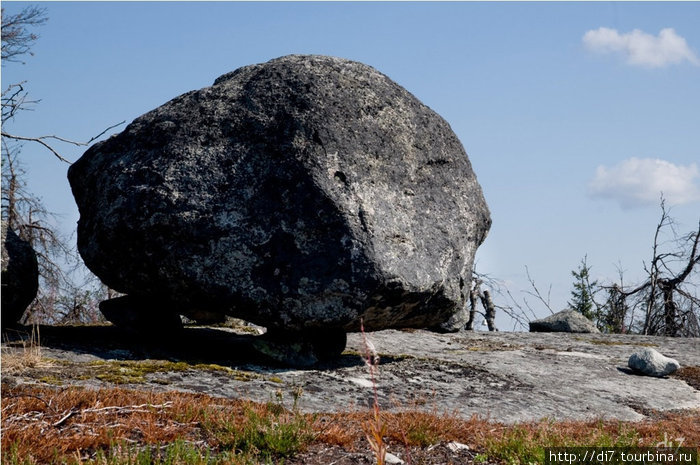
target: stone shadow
<point>191,344</point>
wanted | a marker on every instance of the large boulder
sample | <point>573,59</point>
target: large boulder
<point>566,321</point>
<point>301,194</point>
<point>20,276</point>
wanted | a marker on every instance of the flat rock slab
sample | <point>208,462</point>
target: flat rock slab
<point>507,377</point>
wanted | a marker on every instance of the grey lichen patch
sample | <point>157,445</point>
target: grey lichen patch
<point>485,345</point>
<point>610,342</point>
<point>383,357</point>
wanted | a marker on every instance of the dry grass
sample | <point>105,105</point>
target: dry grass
<point>46,425</point>
<point>26,354</point>
<point>41,424</point>
<point>690,375</point>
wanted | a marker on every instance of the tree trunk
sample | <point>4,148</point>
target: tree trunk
<point>490,310</point>
<point>670,312</point>
<point>473,296</point>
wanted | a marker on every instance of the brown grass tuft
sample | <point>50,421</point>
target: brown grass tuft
<point>690,375</point>
<point>47,425</point>
<point>26,352</point>
<point>43,423</point>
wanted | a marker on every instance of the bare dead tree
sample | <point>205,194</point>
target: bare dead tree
<point>25,213</point>
<point>28,217</point>
<point>14,100</point>
<point>521,313</point>
<point>473,302</point>
<point>17,41</point>
<point>476,294</point>
<point>59,297</point>
<point>490,309</point>
<point>669,299</point>
<point>665,303</point>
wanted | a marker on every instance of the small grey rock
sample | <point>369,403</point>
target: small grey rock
<point>455,446</point>
<point>652,363</point>
<point>391,458</point>
<point>566,321</point>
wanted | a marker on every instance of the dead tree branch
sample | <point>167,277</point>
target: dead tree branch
<point>536,292</point>
<point>42,140</point>
<point>16,38</point>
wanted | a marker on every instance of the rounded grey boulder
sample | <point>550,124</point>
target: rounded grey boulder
<point>565,321</point>
<point>20,276</point>
<point>651,362</point>
<point>303,193</point>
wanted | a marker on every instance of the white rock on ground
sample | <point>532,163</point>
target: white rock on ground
<point>652,363</point>
<point>455,446</point>
<point>391,458</point>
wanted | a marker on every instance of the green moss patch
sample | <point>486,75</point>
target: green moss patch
<point>136,371</point>
<point>57,372</point>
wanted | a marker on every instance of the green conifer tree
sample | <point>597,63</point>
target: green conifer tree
<point>583,293</point>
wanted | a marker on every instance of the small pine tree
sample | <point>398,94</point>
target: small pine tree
<point>612,318</point>
<point>582,296</point>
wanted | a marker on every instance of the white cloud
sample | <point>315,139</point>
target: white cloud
<point>641,181</point>
<point>640,48</point>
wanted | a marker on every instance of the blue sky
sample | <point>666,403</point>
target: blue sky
<point>575,115</point>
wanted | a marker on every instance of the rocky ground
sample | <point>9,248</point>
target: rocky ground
<point>507,377</point>
<point>504,377</point>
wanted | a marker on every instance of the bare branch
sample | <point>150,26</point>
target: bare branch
<point>537,294</point>
<point>16,38</point>
<point>14,99</point>
<point>42,140</point>
<point>693,259</point>
<point>88,142</point>
<point>39,140</point>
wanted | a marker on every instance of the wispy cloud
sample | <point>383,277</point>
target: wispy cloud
<point>640,181</point>
<point>640,48</point>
